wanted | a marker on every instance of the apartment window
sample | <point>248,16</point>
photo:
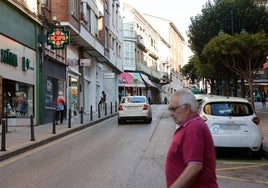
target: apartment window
<point>129,29</point>
<point>129,53</point>
<point>116,21</point>
<point>74,8</point>
<point>106,38</point>
<point>44,3</point>
<point>88,17</point>
<point>118,49</point>
<point>110,40</point>
<point>113,14</point>
<point>113,43</point>
<point>96,28</point>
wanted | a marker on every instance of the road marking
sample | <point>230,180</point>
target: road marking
<point>241,167</point>
<point>243,180</point>
<point>253,165</point>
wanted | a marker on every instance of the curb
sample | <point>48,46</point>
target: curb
<point>28,147</point>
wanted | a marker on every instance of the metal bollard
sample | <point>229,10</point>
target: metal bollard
<point>115,106</point>
<point>91,113</point>
<point>6,122</point>
<point>82,115</point>
<point>111,107</point>
<point>99,111</point>
<point>3,145</point>
<point>54,122</point>
<point>32,128</point>
<point>105,108</point>
<point>69,118</point>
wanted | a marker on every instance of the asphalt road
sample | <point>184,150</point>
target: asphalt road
<point>106,155</point>
<point>119,156</point>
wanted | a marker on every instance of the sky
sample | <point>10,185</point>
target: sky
<point>178,11</point>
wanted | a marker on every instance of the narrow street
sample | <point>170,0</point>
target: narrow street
<point>131,155</point>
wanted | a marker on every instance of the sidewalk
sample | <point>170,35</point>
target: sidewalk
<point>263,114</point>
<point>18,139</point>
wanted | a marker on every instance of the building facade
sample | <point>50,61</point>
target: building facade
<point>93,57</point>
<point>19,65</point>
<point>144,53</point>
<point>88,64</point>
<point>176,60</point>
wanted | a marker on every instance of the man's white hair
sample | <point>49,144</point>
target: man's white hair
<point>186,97</point>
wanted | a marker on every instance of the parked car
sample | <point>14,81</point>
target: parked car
<point>134,108</point>
<point>233,123</point>
<point>199,97</point>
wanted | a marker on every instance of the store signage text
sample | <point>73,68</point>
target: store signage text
<point>58,38</point>
<point>9,58</point>
<point>26,64</point>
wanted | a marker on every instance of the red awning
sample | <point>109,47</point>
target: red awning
<point>127,79</point>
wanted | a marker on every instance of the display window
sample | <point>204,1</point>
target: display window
<point>18,99</point>
<point>53,86</point>
<point>74,96</point>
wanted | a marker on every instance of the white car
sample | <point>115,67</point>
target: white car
<point>233,123</point>
<point>134,108</point>
<point>199,97</point>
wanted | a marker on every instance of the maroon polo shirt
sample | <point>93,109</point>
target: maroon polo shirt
<point>192,142</point>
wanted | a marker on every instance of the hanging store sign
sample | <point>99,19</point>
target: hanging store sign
<point>108,75</point>
<point>58,38</point>
<point>85,62</point>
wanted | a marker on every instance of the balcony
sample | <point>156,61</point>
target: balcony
<point>140,43</point>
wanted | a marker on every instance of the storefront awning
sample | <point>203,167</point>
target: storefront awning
<point>147,80</point>
<point>150,83</point>
<point>130,79</point>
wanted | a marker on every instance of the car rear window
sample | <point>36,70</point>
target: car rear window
<point>228,109</point>
<point>134,100</point>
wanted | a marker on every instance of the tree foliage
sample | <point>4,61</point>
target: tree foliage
<point>240,53</point>
<point>229,17</point>
<point>189,70</point>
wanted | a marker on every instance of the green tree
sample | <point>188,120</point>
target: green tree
<point>240,53</point>
<point>189,70</point>
<point>227,16</point>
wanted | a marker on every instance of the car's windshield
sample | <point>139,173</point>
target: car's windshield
<point>228,109</point>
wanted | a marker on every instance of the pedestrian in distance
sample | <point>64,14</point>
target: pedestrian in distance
<point>165,100</point>
<point>59,103</point>
<point>102,99</point>
<point>191,158</point>
<point>149,96</point>
<point>263,98</point>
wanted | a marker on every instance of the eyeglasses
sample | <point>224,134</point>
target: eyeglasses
<point>173,109</point>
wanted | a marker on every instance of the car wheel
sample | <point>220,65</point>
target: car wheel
<point>120,121</point>
<point>257,154</point>
<point>149,120</point>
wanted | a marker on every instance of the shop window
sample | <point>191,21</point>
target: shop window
<point>53,86</point>
<point>74,96</point>
<point>18,99</point>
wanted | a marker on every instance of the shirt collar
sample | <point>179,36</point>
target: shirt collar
<point>190,119</point>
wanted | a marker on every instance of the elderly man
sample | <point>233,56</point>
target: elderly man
<point>191,159</point>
